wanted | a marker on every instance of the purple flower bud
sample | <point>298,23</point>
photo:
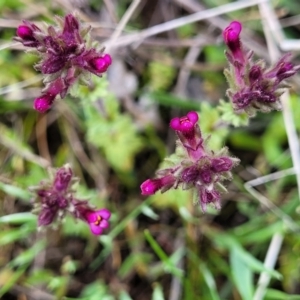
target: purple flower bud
<point>221,164</point>
<point>101,64</point>
<point>189,134</point>
<point>255,74</point>
<point>62,178</point>
<point>46,216</point>
<point>231,33</point>
<point>71,25</point>
<point>207,197</point>
<point>58,87</point>
<point>206,176</point>
<point>25,33</point>
<point>151,186</point>
<point>43,103</point>
<point>190,174</point>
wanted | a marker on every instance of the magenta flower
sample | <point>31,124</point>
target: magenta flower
<point>252,86</point>
<point>231,35</point>
<point>97,220</point>
<point>193,165</point>
<point>65,57</point>
<point>26,34</point>
<point>151,186</point>
<point>189,134</point>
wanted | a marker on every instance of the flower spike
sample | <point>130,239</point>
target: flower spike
<point>53,199</point>
<point>65,56</point>
<point>253,87</point>
<point>196,167</point>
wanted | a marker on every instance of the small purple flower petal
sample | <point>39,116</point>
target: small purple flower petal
<point>104,224</point>
<point>95,229</point>
<point>104,213</point>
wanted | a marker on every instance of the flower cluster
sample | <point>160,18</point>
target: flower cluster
<point>65,56</point>
<point>193,165</point>
<point>54,199</point>
<point>253,86</point>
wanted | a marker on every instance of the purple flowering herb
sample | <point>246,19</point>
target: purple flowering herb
<point>65,57</point>
<point>253,87</point>
<point>193,165</point>
<point>53,199</point>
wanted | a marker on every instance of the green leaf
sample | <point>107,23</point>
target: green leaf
<point>149,212</point>
<point>230,242</point>
<point>169,265</point>
<point>16,234</point>
<point>132,261</point>
<point>242,274</point>
<point>228,115</point>
<point>161,75</point>
<point>272,294</point>
<point>11,280</point>
<point>39,276</point>
<point>170,100</point>
<point>158,292</point>
<point>27,256</point>
<point>214,54</point>
<point>95,291</point>
<point>209,121</point>
<point>109,129</point>
<point>124,296</point>
<point>210,281</point>
<point>15,191</point>
<point>19,218</point>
